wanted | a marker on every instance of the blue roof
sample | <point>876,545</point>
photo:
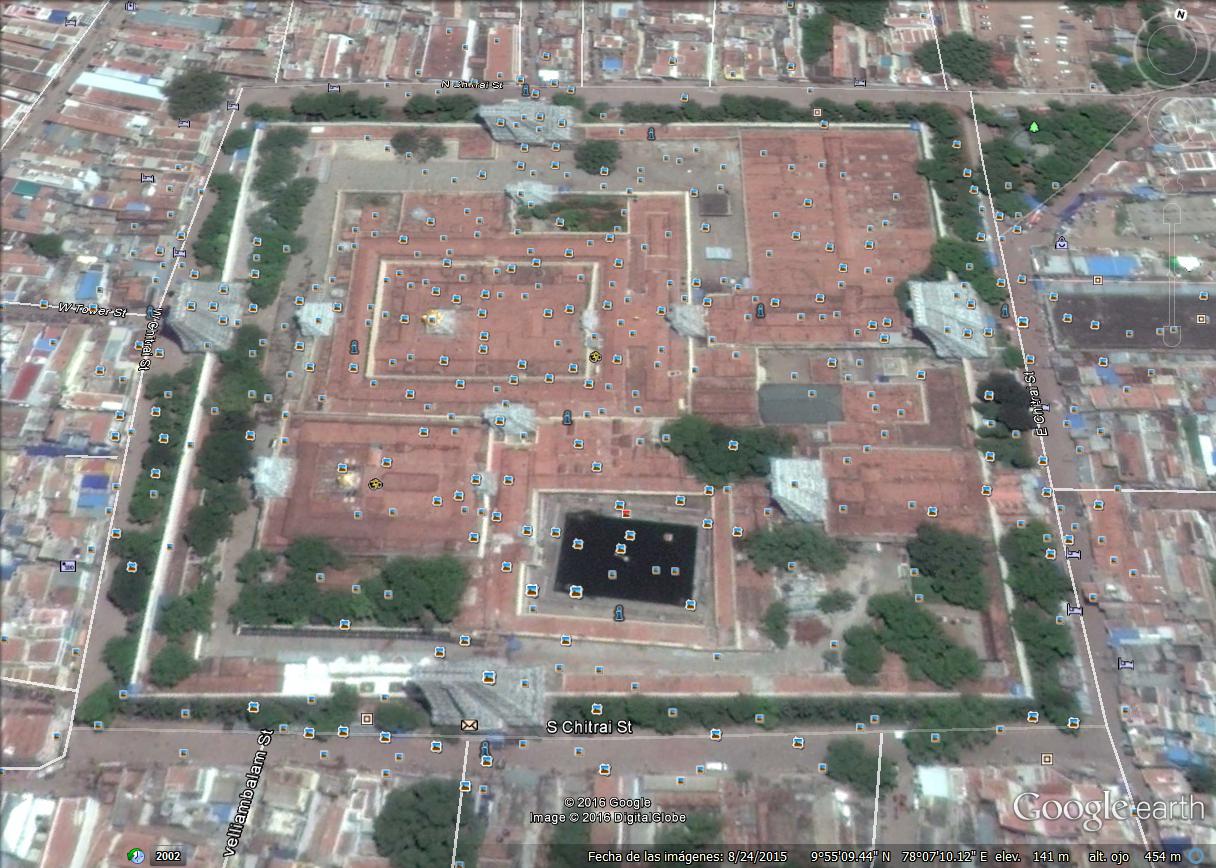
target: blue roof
<point>611,64</point>
<point>95,480</point>
<point>57,16</point>
<point>43,345</point>
<point>1120,635</point>
<point>1076,421</point>
<point>86,287</point>
<point>90,499</point>
<point>1109,377</point>
<point>1111,266</point>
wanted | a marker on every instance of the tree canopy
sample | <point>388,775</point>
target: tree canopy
<point>414,828</point>
<point>195,91</point>
<point>707,448</point>
<point>802,544</point>
<point>171,665</point>
<point>951,565</point>
<point>852,763</point>
<point>863,655</point>
<point>964,56</point>
<point>1010,402</point>
<point>870,14</point>
<point>594,154</point>
<point>1034,578</point>
<point>48,246</point>
<point>701,832</point>
<point>909,630</point>
<point>776,623</point>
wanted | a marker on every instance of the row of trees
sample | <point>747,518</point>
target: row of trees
<point>212,246</point>
<point>325,714</point>
<point>451,109</point>
<point>340,106</point>
<point>1040,586</point>
<point>226,456</point>
<point>963,722</point>
<point>407,591</point>
<point>720,454</point>
<point>169,398</point>
<point>286,197</point>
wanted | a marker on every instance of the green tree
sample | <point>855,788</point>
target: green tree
<point>119,656</point>
<point>211,521</point>
<point>400,715</point>
<point>308,555</point>
<point>869,14</point>
<point>414,828</point>
<point>1034,578</point>
<point>254,563</point>
<point>719,454</point>
<point>1009,403</point>
<point>816,38</point>
<point>851,763</point>
<point>594,154</point>
<point>951,565</point>
<point>188,613</point>
<point>701,832</point>
<point>48,246</point>
<point>776,623</point>
<point>569,99</point>
<point>1202,778</point>
<point>237,140</point>
<point>171,665</point>
<point>802,544</point>
<point>195,91</point>
<point>1117,77</point>
<point>863,655</point>
<point>102,704</point>
<point>837,600</point>
<point>422,589</point>
<point>569,845</point>
<point>916,636</point>
<point>964,57</point>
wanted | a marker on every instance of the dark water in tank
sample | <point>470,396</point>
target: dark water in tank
<point>657,566</point>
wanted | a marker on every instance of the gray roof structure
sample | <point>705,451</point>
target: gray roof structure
<point>799,487</point>
<point>525,121</point>
<point>794,404</point>
<point>458,692</point>
<point>951,320</point>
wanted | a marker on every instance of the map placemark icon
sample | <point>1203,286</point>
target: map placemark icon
<point>136,856</point>
<point>375,484</point>
<point>1034,126</point>
<point>595,356</point>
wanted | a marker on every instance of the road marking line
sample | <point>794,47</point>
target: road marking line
<point>283,48</point>
<point>464,769</point>
<point>877,794</point>
<point>937,42</point>
<point>8,679</point>
<point>1093,668</point>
